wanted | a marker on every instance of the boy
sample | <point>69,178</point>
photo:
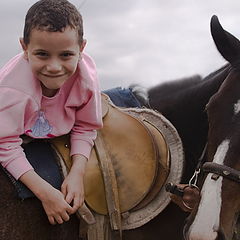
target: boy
<point>54,90</point>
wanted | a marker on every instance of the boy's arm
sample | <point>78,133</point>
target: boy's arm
<point>72,187</point>
<point>12,117</point>
<point>56,208</point>
<point>88,117</point>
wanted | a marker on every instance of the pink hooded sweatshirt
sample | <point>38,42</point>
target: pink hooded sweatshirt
<point>76,108</point>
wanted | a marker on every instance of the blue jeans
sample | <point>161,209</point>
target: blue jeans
<point>123,97</point>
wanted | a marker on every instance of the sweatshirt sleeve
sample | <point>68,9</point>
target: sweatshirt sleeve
<point>12,113</point>
<point>88,117</point>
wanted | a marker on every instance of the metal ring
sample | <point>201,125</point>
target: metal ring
<point>186,206</point>
<point>192,186</point>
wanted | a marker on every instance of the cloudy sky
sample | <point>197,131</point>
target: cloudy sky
<point>138,41</point>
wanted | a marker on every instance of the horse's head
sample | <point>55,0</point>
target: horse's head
<point>215,216</point>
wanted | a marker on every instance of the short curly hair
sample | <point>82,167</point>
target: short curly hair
<point>52,16</point>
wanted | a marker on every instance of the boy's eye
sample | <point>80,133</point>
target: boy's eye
<point>67,54</point>
<point>41,54</point>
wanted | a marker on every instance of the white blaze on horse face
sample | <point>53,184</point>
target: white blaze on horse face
<point>237,107</point>
<point>206,222</point>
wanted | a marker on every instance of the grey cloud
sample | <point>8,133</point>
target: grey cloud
<point>138,40</point>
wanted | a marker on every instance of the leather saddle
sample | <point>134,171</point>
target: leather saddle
<point>128,165</point>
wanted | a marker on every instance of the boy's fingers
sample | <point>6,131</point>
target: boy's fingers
<point>59,219</point>
<point>69,198</point>
<point>69,209</point>
<point>65,216</point>
<point>51,220</point>
<point>76,203</point>
<point>64,190</point>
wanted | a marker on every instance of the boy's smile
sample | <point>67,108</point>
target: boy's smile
<point>53,57</point>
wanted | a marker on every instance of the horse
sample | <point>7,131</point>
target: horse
<point>183,103</point>
<point>185,108</point>
<point>216,214</point>
<point>25,218</point>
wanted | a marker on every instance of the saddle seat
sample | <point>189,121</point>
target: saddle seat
<point>128,165</point>
<point>134,148</point>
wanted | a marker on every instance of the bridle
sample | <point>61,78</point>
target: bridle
<point>211,167</point>
<point>215,168</point>
<point>221,170</point>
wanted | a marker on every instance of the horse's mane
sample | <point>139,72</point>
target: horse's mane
<point>164,90</point>
<point>181,92</point>
<point>213,74</point>
<point>173,87</point>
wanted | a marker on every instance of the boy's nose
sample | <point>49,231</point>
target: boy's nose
<point>54,66</point>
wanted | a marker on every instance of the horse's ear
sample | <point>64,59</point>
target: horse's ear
<point>226,43</point>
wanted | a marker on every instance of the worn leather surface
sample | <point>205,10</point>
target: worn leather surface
<point>163,160</point>
<point>134,149</point>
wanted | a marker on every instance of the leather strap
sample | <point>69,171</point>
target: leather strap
<point>110,183</point>
<point>221,170</point>
<point>84,212</point>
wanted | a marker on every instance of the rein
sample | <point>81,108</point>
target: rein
<point>193,181</point>
<point>221,170</point>
<point>215,168</point>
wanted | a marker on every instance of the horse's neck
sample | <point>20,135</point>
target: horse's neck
<point>187,93</point>
<point>185,109</point>
<point>174,87</point>
<point>213,81</point>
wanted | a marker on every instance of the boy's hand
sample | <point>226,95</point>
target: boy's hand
<point>54,204</point>
<point>72,187</point>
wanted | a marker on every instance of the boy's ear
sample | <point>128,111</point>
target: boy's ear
<point>84,42</point>
<point>24,48</point>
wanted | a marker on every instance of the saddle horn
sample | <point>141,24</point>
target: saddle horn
<point>226,43</point>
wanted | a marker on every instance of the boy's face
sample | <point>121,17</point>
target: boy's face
<point>53,57</point>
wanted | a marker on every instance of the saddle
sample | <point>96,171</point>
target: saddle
<point>128,165</point>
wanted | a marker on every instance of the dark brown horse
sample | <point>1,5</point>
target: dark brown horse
<point>183,103</point>
<point>184,106</point>
<point>219,207</point>
<point>26,219</point>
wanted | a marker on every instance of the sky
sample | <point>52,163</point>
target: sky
<point>138,41</point>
